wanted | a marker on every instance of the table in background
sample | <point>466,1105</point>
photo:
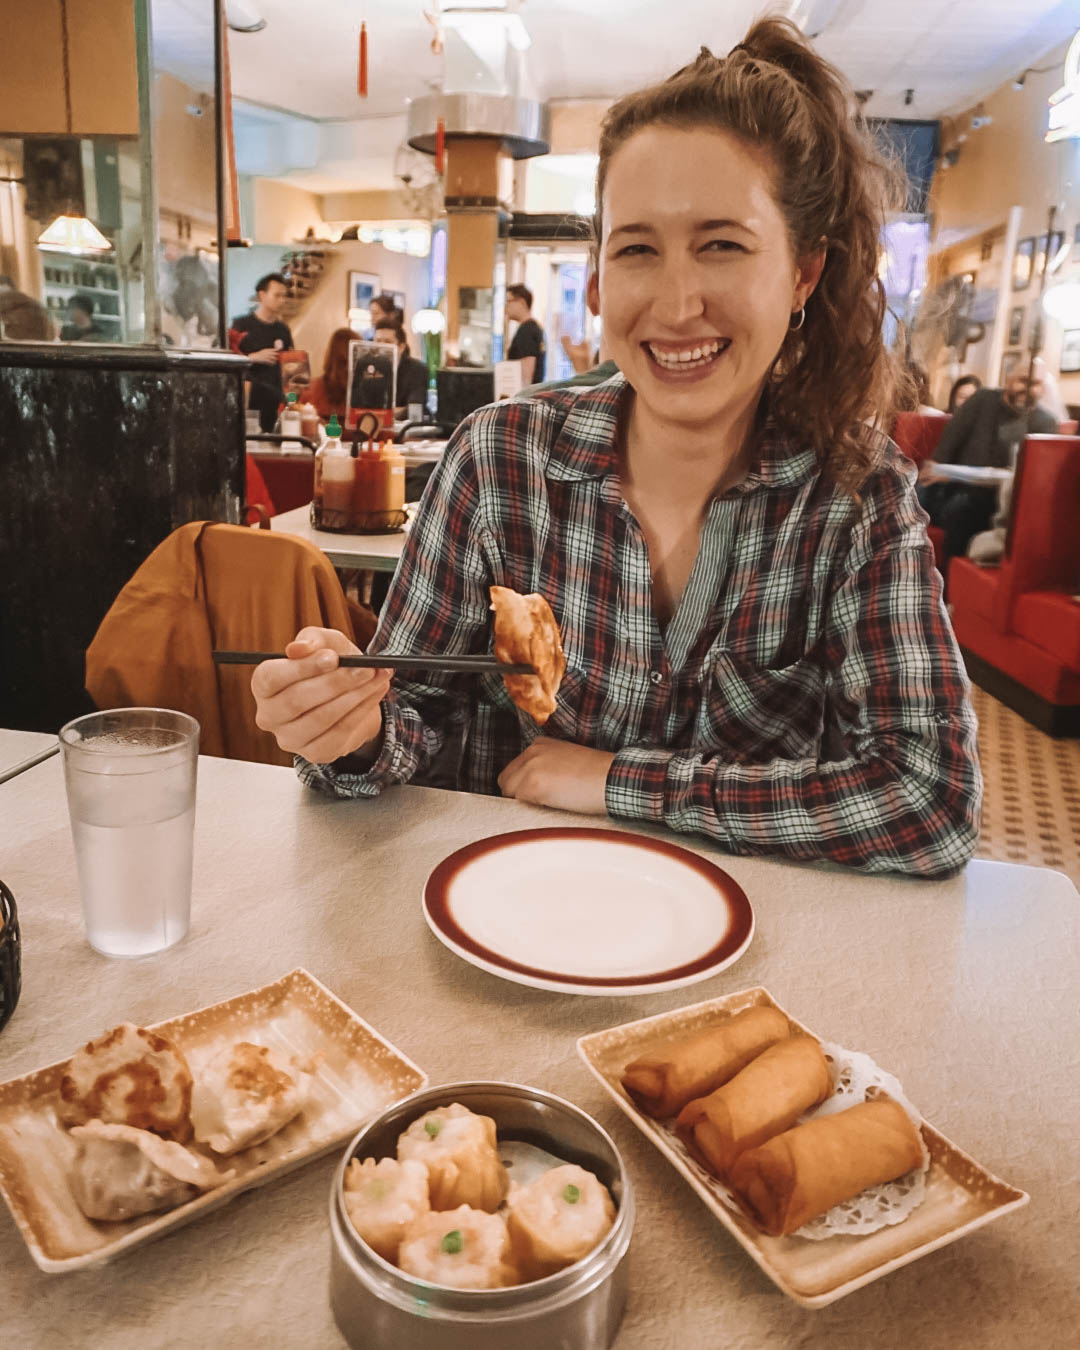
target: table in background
<point>375,552</point>
<point>966,989</point>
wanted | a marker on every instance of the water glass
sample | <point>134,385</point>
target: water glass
<point>130,776</point>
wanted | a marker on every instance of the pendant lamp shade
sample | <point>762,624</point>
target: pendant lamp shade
<point>73,234</point>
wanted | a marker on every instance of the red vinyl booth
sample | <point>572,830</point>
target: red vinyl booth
<point>289,479</point>
<point>1018,624</point>
<point>917,435</point>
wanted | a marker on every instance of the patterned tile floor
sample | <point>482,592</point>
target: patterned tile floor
<point>1031,807</point>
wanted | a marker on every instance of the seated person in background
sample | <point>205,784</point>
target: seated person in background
<point>985,433</point>
<point>383,310</point>
<point>731,546</point>
<point>527,345</point>
<point>412,374</point>
<point>961,391</point>
<point>80,326</point>
<point>326,393</point>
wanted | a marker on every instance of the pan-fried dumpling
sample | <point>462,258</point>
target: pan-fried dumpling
<point>129,1076</point>
<point>458,1149</point>
<point>245,1094</point>
<point>464,1248</point>
<point>383,1198</point>
<point>119,1172</point>
<point>526,634</point>
<point>557,1219</point>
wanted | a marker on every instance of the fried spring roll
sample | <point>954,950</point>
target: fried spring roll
<point>663,1082</point>
<point>762,1100</point>
<point>800,1174</point>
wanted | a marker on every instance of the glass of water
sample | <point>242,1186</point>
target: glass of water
<point>130,776</point>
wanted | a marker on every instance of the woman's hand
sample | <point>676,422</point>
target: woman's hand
<point>557,773</point>
<point>315,708</point>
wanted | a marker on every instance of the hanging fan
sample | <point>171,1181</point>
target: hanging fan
<point>420,183</point>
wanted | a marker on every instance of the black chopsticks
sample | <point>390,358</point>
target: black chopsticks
<point>463,665</point>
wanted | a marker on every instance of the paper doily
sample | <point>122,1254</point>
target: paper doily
<point>856,1078</point>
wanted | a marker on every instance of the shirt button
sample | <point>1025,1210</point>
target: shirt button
<point>657,676</point>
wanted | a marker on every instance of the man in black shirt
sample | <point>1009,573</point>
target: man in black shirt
<point>986,432</point>
<point>80,326</point>
<point>261,335</point>
<point>412,374</point>
<point>527,345</point>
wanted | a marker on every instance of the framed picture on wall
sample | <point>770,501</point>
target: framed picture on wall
<point>1016,326</point>
<point>1070,351</point>
<point>1023,259</point>
<point>363,288</point>
<point>1010,363</point>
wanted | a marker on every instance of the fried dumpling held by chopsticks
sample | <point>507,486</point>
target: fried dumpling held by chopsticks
<point>119,1172</point>
<point>245,1094</point>
<point>526,634</point>
<point>129,1076</point>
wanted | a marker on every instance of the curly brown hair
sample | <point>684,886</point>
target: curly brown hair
<point>336,365</point>
<point>832,183</point>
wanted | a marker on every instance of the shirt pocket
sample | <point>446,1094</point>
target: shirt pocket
<point>755,713</point>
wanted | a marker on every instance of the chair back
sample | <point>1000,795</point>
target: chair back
<point>210,587</point>
<point>917,434</point>
<point>1042,546</point>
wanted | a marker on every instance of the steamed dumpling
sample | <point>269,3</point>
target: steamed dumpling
<point>557,1219</point>
<point>464,1248</point>
<point>458,1149</point>
<point>129,1076</point>
<point>245,1094</point>
<point>119,1172</point>
<point>383,1198</point>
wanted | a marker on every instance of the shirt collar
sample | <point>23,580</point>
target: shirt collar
<point>587,445</point>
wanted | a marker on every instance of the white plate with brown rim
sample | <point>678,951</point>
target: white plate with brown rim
<point>357,1074</point>
<point>961,1195</point>
<point>588,911</point>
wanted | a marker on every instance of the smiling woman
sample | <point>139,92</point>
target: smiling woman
<point>755,641</point>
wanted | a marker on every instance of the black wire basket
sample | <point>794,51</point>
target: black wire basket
<point>10,965</point>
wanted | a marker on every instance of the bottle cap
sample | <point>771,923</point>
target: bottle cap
<point>333,427</point>
<point>292,397</point>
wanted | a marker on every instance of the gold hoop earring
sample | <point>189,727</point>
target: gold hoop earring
<point>799,320</point>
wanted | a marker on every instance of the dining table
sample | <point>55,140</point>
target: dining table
<point>371,552</point>
<point>20,749</point>
<point>964,988</point>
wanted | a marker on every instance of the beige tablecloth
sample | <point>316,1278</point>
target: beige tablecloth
<point>967,990</point>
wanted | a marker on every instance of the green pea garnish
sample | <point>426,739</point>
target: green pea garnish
<point>571,1195</point>
<point>432,1126</point>
<point>453,1242</point>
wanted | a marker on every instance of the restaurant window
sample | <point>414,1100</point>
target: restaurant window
<point>109,173</point>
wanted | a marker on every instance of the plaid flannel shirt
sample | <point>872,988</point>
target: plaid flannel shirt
<point>807,697</point>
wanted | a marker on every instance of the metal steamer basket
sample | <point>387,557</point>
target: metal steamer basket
<point>10,968</point>
<point>379,1307</point>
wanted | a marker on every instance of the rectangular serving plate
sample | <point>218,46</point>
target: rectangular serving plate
<point>357,1074</point>
<point>961,1195</point>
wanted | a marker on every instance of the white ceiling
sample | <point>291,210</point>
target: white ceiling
<point>949,52</point>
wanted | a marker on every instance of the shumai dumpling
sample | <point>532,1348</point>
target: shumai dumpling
<point>464,1248</point>
<point>459,1150</point>
<point>129,1076</point>
<point>245,1094</point>
<point>119,1172</point>
<point>383,1198</point>
<point>557,1219</point>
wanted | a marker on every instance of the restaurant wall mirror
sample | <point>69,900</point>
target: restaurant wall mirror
<point>111,197</point>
